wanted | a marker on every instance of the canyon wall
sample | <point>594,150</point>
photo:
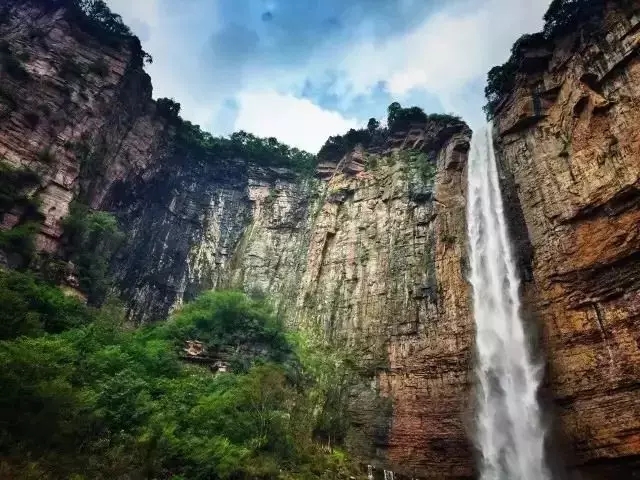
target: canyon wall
<point>72,108</point>
<point>370,252</point>
<point>569,144</point>
<point>381,267</point>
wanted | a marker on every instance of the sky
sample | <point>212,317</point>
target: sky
<point>302,70</point>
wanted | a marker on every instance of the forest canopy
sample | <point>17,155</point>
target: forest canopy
<point>266,152</point>
<point>90,398</point>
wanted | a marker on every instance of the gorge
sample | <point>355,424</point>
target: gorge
<point>364,246</point>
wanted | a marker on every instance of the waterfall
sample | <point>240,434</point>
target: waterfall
<point>510,435</point>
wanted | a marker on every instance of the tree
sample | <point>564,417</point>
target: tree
<point>392,113</point>
<point>168,108</point>
<point>373,125</point>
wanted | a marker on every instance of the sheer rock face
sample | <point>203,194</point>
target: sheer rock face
<point>77,105</point>
<point>377,261</point>
<point>572,171</point>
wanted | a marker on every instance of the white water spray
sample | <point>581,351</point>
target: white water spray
<point>509,429</point>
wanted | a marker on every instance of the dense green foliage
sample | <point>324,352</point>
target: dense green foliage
<point>91,239</point>
<point>31,307</point>
<point>562,17</point>
<point>267,152</point>
<point>13,183</point>
<point>18,242</point>
<point>399,119</point>
<point>105,402</point>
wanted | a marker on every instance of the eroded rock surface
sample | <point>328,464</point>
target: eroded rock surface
<point>572,167</point>
<point>73,109</point>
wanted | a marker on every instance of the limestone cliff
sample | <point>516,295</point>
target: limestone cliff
<point>378,261</point>
<point>76,110</point>
<point>569,146</point>
<point>370,251</point>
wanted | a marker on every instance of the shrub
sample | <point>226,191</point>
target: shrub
<point>31,307</point>
<point>13,183</point>
<point>19,241</point>
<point>91,238</point>
<point>101,402</point>
<point>235,326</point>
<point>168,108</point>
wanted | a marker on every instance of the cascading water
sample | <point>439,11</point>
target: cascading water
<point>510,435</point>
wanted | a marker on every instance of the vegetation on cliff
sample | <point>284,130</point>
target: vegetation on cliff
<point>266,152</point>
<point>17,242</point>
<point>562,17</point>
<point>98,400</point>
<point>91,238</point>
<point>96,19</point>
<point>399,119</point>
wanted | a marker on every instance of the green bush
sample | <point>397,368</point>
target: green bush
<point>168,108</point>
<point>13,183</point>
<point>31,307</point>
<point>90,241</point>
<point>18,242</point>
<point>104,402</point>
<point>233,326</point>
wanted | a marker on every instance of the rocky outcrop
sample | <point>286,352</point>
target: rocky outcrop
<point>375,258</point>
<point>569,146</point>
<point>72,108</point>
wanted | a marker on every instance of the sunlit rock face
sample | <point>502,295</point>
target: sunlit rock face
<point>379,262</point>
<point>571,173</point>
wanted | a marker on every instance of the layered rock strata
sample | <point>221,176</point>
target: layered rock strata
<point>569,144</point>
<point>75,110</point>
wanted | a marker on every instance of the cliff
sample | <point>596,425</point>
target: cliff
<point>369,251</point>
<point>569,146</point>
<point>381,268</point>
<point>367,254</point>
<point>74,109</point>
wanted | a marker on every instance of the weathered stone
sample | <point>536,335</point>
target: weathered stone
<point>575,176</point>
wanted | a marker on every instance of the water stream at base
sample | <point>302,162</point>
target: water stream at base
<point>510,435</point>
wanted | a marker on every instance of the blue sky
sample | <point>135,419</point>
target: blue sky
<point>301,70</point>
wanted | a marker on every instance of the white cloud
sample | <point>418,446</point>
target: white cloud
<point>450,51</point>
<point>295,121</point>
<point>447,57</point>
